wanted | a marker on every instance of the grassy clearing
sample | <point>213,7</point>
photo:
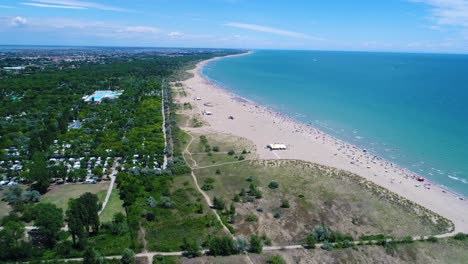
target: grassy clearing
<point>183,220</point>
<point>317,195</point>
<point>114,205</point>
<point>223,143</point>
<point>60,194</point>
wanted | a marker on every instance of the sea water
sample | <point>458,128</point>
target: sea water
<point>411,109</point>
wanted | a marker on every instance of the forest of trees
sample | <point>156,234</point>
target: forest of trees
<point>37,108</point>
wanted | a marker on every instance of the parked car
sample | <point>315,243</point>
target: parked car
<point>12,183</point>
<point>91,181</point>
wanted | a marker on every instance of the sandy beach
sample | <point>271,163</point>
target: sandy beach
<point>264,126</point>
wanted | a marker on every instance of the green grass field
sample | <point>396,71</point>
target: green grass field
<point>114,205</point>
<point>60,194</point>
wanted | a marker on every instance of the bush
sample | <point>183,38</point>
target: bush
<point>218,203</point>
<point>250,178</point>
<point>322,233</point>
<point>192,248</point>
<point>128,256</point>
<point>432,239</point>
<point>372,237</point>
<point>215,148</point>
<point>218,171</point>
<point>236,198</point>
<point>273,185</point>
<point>251,218</point>
<point>311,241</point>
<point>221,246</point>
<point>285,204</point>
<point>241,244</point>
<point>231,152</point>
<point>207,187</point>
<point>209,180</point>
<point>256,245</point>
<point>407,239</point>
<point>459,236</point>
<point>327,246</point>
<point>241,157</point>
<point>276,260</point>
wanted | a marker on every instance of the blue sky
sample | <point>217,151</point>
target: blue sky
<point>371,25</point>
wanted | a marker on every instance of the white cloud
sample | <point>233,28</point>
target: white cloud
<point>77,3</point>
<point>141,29</point>
<point>18,21</point>
<point>54,6</point>
<point>448,12</point>
<point>271,30</point>
<point>4,6</point>
<point>175,34</point>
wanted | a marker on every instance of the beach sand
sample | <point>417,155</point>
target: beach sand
<point>264,126</point>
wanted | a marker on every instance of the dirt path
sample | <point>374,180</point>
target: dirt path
<point>111,186</point>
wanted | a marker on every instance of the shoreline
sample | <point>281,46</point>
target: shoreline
<point>263,126</point>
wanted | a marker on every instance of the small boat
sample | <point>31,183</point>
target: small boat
<point>421,179</point>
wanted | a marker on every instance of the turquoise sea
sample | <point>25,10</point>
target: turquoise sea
<point>411,109</point>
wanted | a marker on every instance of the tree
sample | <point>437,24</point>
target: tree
<point>218,203</point>
<point>49,221</point>
<point>256,245</point>
<point>38,173</point>
<point>322,233</point>
<point>82,216</point>
<point>285,204</point>
<point>12,232</point>
<point>91,256</point>
<point>221,246</point>
<point>192,248</point>
<point>311,241</point>
<point>74,221</point>
<point>128,256</point>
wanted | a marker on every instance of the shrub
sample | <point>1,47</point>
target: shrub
<point>256,245</point>
<point>242,192</point>
<point>218,203</point>
<point>218,171</point>
<point>244,152</point>
<point>372,237</point>
<point>241,157</point>
<point>310,241</point>
<point>250,179</point>
<point>192,248</point>
<point>251,218</point>
<point>209,180</point>
<point>207,187</point>
<point>231,152</point>
<point>407,239</point>
<point>236,198</point>
<point>221,246</point>
<point>215,148</point>
<point>276,260</point>
<point>241,244</point>
<point>322,233</point>
<point>273,185</point>
<point>459,236</point>
<point>128,256</point>
<point>432,239</point>
<point>285,204</point>
<point>327,246</point>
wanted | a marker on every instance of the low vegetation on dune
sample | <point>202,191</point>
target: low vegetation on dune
<point>288,199</point>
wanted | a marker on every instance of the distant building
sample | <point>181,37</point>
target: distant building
<point>75,125</point>
<point>99,95</point>
<point>16,68</point>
